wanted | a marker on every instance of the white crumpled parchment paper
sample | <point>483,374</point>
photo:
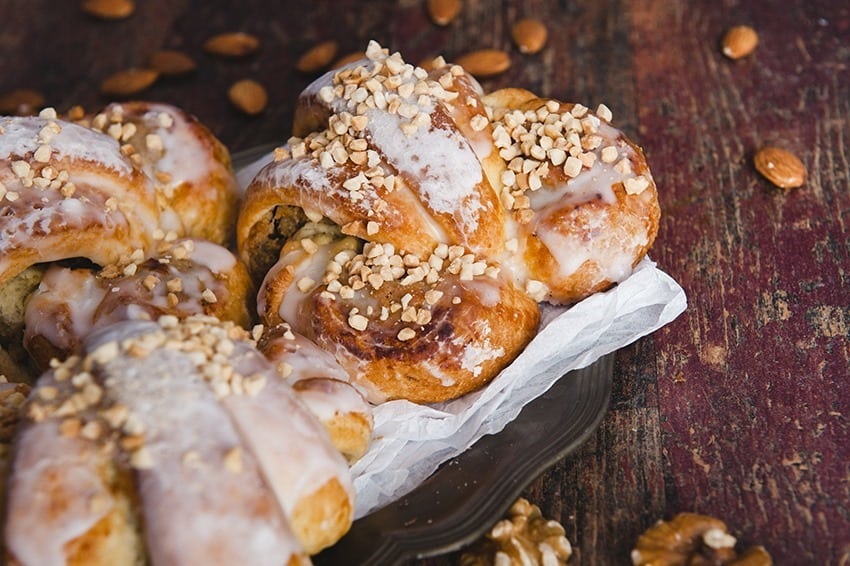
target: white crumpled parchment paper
<point>411,441</point>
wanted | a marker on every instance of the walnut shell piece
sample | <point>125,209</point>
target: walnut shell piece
<point>523,538</point>
<point>690,539</point>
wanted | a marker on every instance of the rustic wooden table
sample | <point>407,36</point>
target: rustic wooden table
<point>740,408</point>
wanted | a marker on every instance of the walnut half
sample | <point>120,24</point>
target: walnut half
<point>690,539</point>
<point>524,538</point>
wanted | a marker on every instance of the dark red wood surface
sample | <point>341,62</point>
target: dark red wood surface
<point>741,407</point>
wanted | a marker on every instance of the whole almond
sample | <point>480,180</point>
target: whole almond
<point>109,9</point>
<point>780,167</point>
<point>249,96</point>
<point>442,12</point>
<point>485,62</point>
<point>317,57</point>
<point>529,35</point>
<point>128,82</point>
<point>170,63</point>
<point>232,44</point>
<point>739,41</point>
<point>21,102</point>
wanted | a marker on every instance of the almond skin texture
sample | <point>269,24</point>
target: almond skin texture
<point>21,102</point>
<point>780,167</point>
<point>317,57</point>
<point>485,62</point>
<point>249,96</point>
<point>232,44</point>
<point>172,63</point>
<point>529,35</point>
<point>739,41</point>
<point>109,9</point>
<point>442,12</point>
<point>128,82</point>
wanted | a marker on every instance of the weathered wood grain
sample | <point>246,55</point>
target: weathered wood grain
<point>741,407</point>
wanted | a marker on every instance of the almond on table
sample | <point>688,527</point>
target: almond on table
<point>21,102</point>
<point>442,12</point>
<point>485,62</point>
<point>739,41</point>
<point>317,57</point>
<point>128,82</point>
<point>529,35</point>
<point>232,44</point>
<point>170,62</point>
<point>249,96</point>
<point>109,9</point>
<point>780,167</point>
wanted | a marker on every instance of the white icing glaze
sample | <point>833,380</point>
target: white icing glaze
<point>329,398</point>
<point>196,511</point>
<point>185,158</point>
<point>217,259</point>
<point>302,172</point>
<point>63,307</point>
<point>613,256</point>
<point>304,357</point>
<point>479,352</point>
<point>441,160</point>
<point>294,451</point>
<point>69,303</point>
<point>55,494</point>
<point>311,266</point>
<point>20,136</point>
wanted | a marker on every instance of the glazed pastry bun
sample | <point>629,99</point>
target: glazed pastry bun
<point>583,202</point>
<point>186,277</point>
<point>105,191</point>
<point>413,224</point>
<point>185,428</point>
<point>393,233</point>
<point>321,384</point>
<point>190,167</point>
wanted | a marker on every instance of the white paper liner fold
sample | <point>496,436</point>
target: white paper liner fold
<point>411,441</point>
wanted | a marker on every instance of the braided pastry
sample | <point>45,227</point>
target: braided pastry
<point>412,224</point>
<point>107,191</point>
<point>68,191</point>
<point>185,428</point>
<point>190,168</point>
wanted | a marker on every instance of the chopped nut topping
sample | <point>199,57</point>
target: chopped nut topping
<point>233,460</point>
<point>406,334</point>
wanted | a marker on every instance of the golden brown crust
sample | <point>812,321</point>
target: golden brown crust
<point>462,347</point>
<point>609,225</point>
<point>190,167</point>
<point>114,452</point>
<point>95,203</point>
<point>320,520</point>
